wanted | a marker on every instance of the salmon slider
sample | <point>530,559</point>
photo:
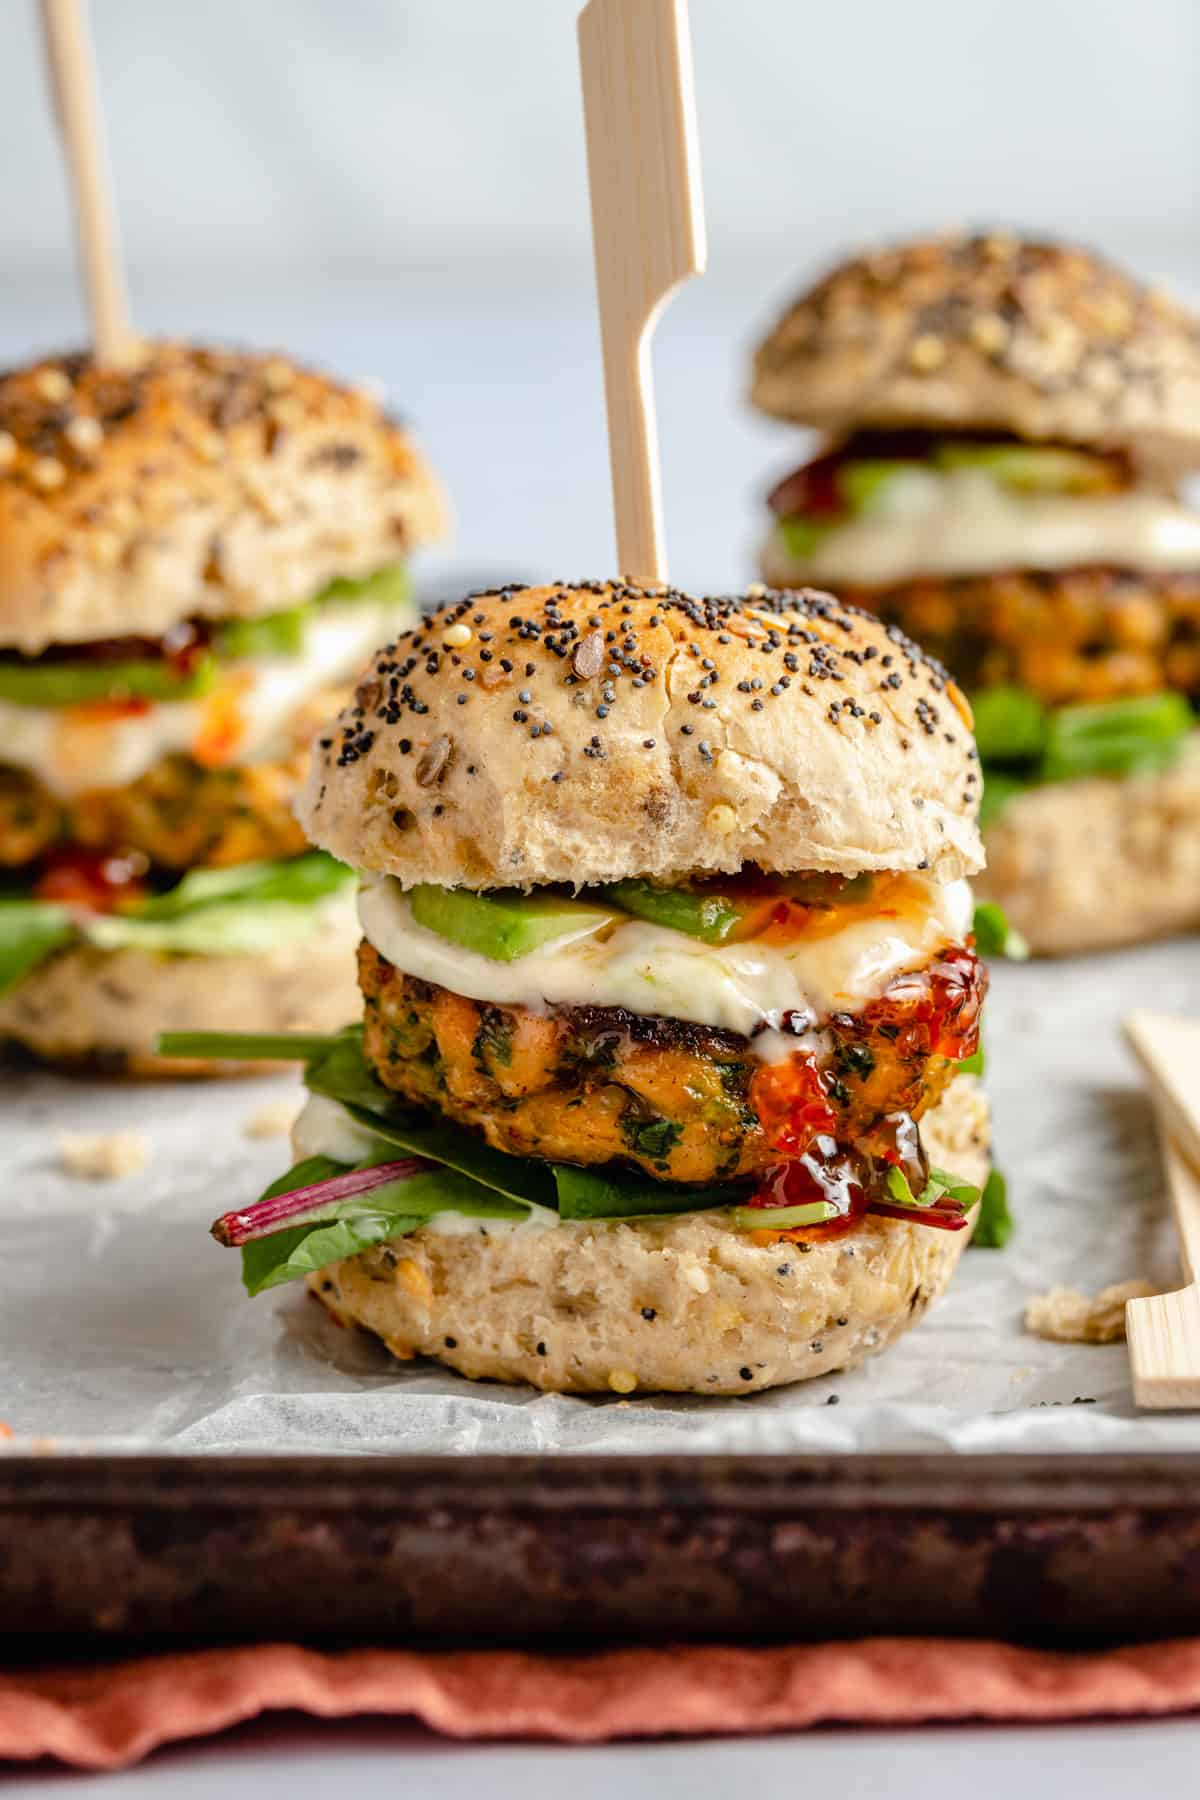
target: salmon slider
<point>195,557</point>
<point>671,1006</point>
<point>1004,424</point>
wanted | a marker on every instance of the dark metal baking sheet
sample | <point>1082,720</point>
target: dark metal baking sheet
<point>109,1553</point>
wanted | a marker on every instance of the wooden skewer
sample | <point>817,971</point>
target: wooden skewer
<point>647,230</point>
<point>76,103</point>
<point>1164,1333</point>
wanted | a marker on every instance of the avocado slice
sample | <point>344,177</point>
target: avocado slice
<point>273,634</point>
<point>504,925</point>
<point>286,633</point>
<point>800,537</point>
<point>713,918</point>
<point>389,586</point>
<point>1031,468</point>
<point>861,481</point>
<point>39,683</point>
<point>723,918</point>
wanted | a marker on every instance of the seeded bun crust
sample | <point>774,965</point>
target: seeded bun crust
<point>989,332</point>
<point>103,1009</point>
<point>685,1305</point>
<point>1090,865</point>
<point>592,732</point>
<point>202,484</point>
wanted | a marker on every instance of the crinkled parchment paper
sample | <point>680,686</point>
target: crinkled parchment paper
<point>122,1325</point>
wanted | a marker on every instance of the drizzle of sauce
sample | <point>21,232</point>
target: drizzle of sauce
<point>938,1006</point>
<point>92,881</point>
<point>779,909</point>
<point>825,1171</point>
<point>792,1103</point>
<point>854,1179</point>
<point>932,1012</point>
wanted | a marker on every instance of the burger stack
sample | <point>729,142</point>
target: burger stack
<point>1005,424</point>
<point>194,556</point>
<point>667,1070</point>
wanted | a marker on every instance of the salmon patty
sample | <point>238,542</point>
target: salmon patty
<point>684,1102</point>
<point>180,814</point>
<point>1069,635</point>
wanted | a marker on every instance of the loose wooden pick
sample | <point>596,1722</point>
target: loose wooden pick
<point>1164,1333</point>
<point>647,229</point>
<point>76,103</point>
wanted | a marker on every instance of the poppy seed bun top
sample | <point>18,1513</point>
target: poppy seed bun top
<point>201,484</point>
<point>589,732</point>
<point>993,333</point>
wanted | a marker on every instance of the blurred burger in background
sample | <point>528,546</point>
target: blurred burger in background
<point>1004,428</point>
<point>195,556</point>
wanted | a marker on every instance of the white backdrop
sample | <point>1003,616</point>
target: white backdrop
<point>261,133</point>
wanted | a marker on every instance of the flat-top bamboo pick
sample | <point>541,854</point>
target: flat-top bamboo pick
<point>647,229</point>
<point>1164,1333</point>
<point>73,85</point>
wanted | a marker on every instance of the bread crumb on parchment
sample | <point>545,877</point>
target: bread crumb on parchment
<point>273,1120</point>
<point>103,1155</point>
<point>1065,1316</point>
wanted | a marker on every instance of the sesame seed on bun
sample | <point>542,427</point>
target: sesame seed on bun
<point>587,732</point>
<point>989,332</point>
<point>203,483</point>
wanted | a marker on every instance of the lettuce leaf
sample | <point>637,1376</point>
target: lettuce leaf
<point>292,1254</point>
<point>30,931</point>
<point>1023,743</point>
<point>211,912</point>
<point>227,912</point>
<point>237,928</point>
<point>994,936</point>
<point>348,1226</point>
<point>995,1225</point>
<point>1010,724</point>
<point>472,1178</point>
<point>1116,737</point>
<point>298,879</point>
<point>623,1194</point>
<point>936,1188</point>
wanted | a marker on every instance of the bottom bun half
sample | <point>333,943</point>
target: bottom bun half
<point>102,1010</point>
<point>1090,865</point>
<point>683,1304</point>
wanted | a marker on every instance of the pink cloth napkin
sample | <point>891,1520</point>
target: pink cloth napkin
<point>106,1717</point>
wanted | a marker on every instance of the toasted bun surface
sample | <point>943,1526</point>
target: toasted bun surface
<point>105,1008</point>
<point>989,332</point>
<point>682,1304</point>
<point>1089,865</point>
<point>589,733</point>
<point>202,484</point>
